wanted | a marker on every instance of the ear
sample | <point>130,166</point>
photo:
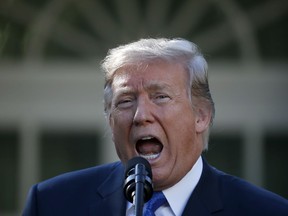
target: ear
<point>203,117</point>
<point>111,124</point>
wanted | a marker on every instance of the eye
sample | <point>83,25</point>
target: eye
<point>124,103</point>
<point>162,98</point>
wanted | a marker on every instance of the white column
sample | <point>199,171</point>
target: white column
<point>253,155</point>
<point>28,159</point>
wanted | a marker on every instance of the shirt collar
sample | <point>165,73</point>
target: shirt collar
<point>179,194</point>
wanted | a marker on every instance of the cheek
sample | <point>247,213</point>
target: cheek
<point>120,124</point>
<point>183,132</point>
<point>181,119</point>
<point>117,118</point>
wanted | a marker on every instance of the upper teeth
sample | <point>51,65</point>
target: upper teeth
<point>147,138</point>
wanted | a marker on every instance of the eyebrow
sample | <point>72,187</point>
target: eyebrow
<point>155,85</point>
<point>150,86</point>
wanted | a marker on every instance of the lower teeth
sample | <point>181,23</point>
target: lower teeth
<point>150,156</point>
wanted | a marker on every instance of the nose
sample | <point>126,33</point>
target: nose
<point>144,112</point>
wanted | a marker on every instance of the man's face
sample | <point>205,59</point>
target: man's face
<point>152,116</point>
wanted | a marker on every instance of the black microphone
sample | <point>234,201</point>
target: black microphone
<point>138,187</point>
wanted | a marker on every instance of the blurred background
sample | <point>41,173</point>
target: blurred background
<point>51,111</point>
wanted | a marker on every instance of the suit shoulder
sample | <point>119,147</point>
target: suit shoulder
<point>93,175</point>
<point>250,197</point>
<point>75,193</point>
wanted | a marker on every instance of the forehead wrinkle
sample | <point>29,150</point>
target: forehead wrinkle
<point>154,85</point>
<point>124,83</point>
<point>151,86</point>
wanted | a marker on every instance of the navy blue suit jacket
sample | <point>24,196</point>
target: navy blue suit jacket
<point>98,191</point>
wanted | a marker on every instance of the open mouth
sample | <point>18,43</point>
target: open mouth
<point>149,147</point>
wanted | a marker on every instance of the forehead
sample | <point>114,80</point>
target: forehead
<point>153,74</point>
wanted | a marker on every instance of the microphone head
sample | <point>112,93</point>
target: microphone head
<point>138,160</point>
<point>131,176</point>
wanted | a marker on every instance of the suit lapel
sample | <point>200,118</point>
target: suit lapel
<point>111,191</point>
<point>205,199</point>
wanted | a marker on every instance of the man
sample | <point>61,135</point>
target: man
<point>159,106</point>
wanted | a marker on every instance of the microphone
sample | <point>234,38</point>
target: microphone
<point>138,187</point>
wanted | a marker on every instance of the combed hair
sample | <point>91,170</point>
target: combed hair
<point>176,50</point>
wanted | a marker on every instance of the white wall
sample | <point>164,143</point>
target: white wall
<point>67,95</point>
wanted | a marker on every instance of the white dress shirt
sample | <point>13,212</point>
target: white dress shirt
<point>177,195</point>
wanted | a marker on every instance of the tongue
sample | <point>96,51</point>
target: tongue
<point>147,148</point>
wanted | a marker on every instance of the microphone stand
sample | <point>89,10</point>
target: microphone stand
<point>138,186</point>
<point>138,198</point>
